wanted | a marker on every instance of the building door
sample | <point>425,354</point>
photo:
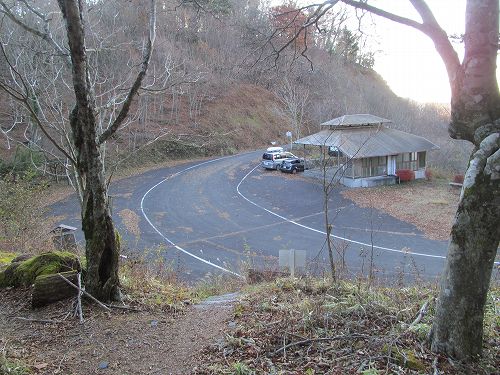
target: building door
<point>391,165</point>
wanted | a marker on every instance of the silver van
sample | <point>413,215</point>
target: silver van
<point>272,160</point>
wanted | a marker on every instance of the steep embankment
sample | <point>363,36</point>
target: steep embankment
<point>246,116</point>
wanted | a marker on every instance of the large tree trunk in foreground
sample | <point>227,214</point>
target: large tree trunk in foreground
<point>475,116</point>
<point>102,247</point>
<point>458,323</point>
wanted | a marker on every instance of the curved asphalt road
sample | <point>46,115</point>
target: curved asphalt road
<point>210,216</point>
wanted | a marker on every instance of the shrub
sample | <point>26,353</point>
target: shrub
<point>405,175</point>
<point>23,224</point>
<point>23,163</point>
<point>459,179</point>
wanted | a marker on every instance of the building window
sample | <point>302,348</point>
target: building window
<point>376,166</point>
<point>408,160</point>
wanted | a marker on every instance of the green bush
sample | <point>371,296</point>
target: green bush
<point>23,163</point>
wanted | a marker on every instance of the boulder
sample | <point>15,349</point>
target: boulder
<point>51,288</point>
<point>25,272</point>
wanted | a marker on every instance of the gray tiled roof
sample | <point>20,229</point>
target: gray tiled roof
<point>355,120</point>
<point>362,142</point>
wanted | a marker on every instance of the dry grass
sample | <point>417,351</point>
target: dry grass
<point>311,326</point>
<point>23,225</point>
<point>158,334</point>
<point>151,281</point>
<point>429,205</point>
<point>131,221</point>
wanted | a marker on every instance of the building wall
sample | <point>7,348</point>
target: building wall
<point>411,160</point>
<point>368,181</point>
<point>356,167</point>
<point>377,166</point>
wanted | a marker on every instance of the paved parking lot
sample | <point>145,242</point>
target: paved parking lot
<point>221,215</point>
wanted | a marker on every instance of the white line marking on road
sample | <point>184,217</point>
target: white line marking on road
<point>262,208</point>
<point>166,238</point>
<point>324,233</point>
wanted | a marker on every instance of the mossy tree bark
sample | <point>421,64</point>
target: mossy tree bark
<point>475,116</point>
<point>102,246</point>
<point>458,325</point>
<point>102,250</point>
<point>85,151</point>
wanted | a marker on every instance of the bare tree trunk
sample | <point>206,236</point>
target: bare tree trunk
<point>84,147</point>
<point>102,248</point>
<point>333,269</point>
<point>102,244</point>
<point>458,324</point>
<point>328,226</point>
<point>475,116</point>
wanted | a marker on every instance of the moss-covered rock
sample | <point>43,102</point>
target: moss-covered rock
<point>8,275</point>
<point>22,258</point>
<point>24,273</point>
<point>6,258</point>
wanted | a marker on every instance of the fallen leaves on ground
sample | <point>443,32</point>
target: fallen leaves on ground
<point>429,205</point>
<point>315,327</point>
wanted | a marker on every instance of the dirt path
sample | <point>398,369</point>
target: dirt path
<point>121,343</point>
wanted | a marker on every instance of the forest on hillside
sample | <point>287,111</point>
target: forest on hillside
<point>221,79</point>
<point>89,87</point>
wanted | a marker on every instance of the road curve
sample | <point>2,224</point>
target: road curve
<point>221,215</point>
<point>226,214</point>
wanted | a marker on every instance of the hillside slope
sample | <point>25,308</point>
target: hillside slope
<point>214,87</point>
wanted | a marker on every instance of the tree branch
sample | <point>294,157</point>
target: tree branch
<point>23,97</point>
<point>87,294</point>
<point>319,11</point>
<point>138,81</point>
<point>385,14</point>
<point>429,27</point>
<point>45,35</point>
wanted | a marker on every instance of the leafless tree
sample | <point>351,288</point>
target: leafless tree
<point>83,141</point>
<point>294,100</point>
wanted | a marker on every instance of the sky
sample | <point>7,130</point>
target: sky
<point>405,57</point>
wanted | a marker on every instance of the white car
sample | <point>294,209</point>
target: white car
<point>272,160</point>
<point>275,149</point>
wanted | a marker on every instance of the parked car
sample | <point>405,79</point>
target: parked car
<point>275,149</point>
<point>271,160</point>
<point>292,165</point>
